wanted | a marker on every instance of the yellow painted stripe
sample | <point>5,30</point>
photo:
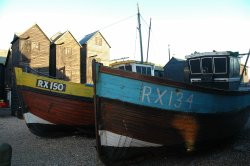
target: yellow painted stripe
<point>30,80</point>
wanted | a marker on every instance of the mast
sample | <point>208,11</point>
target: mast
<point>148,39</point>
<point>139,28</point>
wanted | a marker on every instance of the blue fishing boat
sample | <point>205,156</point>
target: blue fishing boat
<point>138,114</point>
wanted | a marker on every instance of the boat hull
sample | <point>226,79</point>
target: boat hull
<point>138,115</point>
<point>47,113</point>
<point>52,107</point>
<point>44,128</point>
<point>127,130</point>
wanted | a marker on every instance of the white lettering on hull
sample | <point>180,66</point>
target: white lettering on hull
<point>51,85</point>
<point>173,98</point>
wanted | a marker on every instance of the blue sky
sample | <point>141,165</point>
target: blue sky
<point>185,25</point>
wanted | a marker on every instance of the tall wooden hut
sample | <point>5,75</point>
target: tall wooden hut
<point>65,57</point>
<point>30,48</point>
<point>94,46</point>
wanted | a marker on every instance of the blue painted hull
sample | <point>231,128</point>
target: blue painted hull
<point>138,115</point>
<point>169,97</point>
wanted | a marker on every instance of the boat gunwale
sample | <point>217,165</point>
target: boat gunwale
<point>167,82</point>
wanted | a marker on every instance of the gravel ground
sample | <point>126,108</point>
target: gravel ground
<point>30,150</point>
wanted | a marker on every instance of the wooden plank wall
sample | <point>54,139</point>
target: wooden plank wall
<point>98,49</point>
<point>35,50</point>
<point>68,58</point>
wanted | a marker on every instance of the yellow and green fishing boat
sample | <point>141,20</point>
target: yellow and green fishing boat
<point>52,106</point>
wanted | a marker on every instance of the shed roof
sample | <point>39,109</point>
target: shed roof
<point>59,35</point>
<point>56,36</point>
<point>18,35</point>
<point>89,36</point>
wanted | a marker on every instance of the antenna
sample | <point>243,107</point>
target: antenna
<point>169,52</point>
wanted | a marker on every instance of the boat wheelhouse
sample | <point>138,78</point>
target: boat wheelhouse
<point>135,66</point>
<point>215,69</point>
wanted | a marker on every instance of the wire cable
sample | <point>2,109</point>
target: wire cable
<point>117,22</point>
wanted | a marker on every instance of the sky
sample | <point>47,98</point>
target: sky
<point>181,26</point>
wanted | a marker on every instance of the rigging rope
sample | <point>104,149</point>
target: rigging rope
<point>144,21</point>
<point>135,41</point>
<point>124,19</point>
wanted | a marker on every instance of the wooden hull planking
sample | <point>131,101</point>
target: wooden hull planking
<point>50,105</point>
<point>137,114</point>
<point>124,125</point>
<point>56,112</point>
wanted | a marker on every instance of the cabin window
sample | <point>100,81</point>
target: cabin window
<point>126,68</point>
<point>98,41</point>
<point>195,66</point>
<point>207,65</point>
<point>35,46</point>
<point>143,70</point>
<point>234,67</point>
<point>220,65</point>
<point>121,67</point>
<point>138,69</point>
<point>149,71</point>
<point>237,67</point>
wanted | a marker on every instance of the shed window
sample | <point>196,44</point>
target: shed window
<point>220,65</point>
<point>27,46</point>
<point>25,57</point>
<point>67,51</point>
<point>35,46</point>
<point>98,41</point>
<point>207,65</point>
<point>195,66</point>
